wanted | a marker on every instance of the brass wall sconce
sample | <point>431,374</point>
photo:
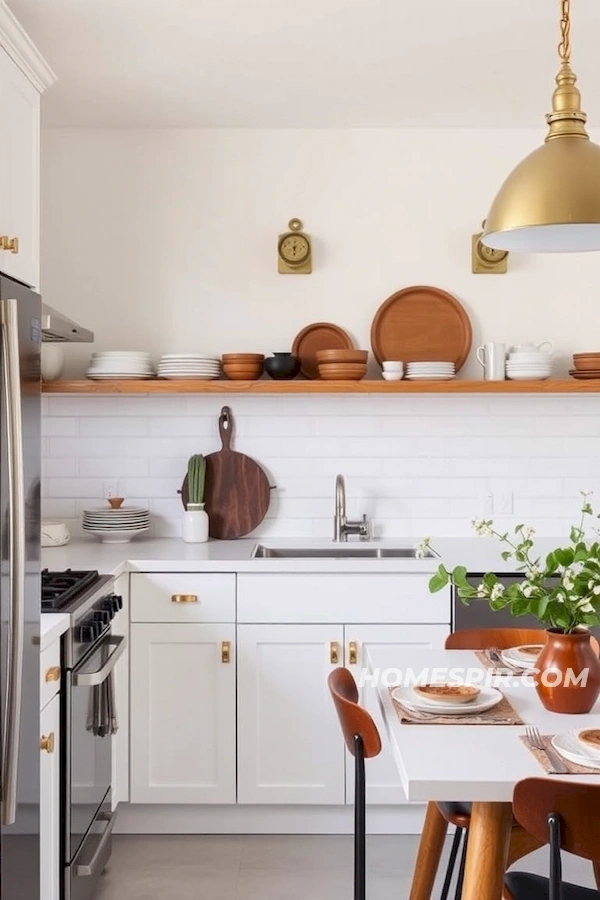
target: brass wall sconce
<point>486,260</point>
<point>294,251</point>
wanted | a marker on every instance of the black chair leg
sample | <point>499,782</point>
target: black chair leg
<point>360,874</point>
<point>451,863</point>
<point>461,871</point>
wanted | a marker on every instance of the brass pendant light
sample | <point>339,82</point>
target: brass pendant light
<point>551,202</point>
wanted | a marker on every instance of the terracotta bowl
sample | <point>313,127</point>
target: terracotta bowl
<point>243,357</point>
<point>242,375</point>
<point>342,372</point>
<point>342,356</point>
<point>586,362</point>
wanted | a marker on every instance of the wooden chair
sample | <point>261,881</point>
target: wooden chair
<point>459,814</point>
<point>565,814</point>
<point>363,741</point>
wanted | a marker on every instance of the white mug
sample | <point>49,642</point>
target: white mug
<point>492,358</point>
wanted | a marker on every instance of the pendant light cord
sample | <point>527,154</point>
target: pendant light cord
<point>564,48</point>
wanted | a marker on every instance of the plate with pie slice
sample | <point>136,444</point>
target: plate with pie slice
<point>486,699</point>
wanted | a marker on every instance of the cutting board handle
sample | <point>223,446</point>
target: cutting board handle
<point>226,427</point>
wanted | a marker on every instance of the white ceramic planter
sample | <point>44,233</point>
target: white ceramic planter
<point>194,524</point>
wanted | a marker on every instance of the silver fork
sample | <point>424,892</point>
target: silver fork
<point>535,740</point>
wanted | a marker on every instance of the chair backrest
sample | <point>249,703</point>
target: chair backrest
<point>354,719</point>
<point>502,638</point>
<point>575,804</point>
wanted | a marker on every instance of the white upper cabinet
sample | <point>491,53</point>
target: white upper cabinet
<point>23,77</point>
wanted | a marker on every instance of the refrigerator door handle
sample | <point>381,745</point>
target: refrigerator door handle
<point>11,378</point>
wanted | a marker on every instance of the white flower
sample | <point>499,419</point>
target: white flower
<point>596,590</point>
<point>482,590</point>
<point>527,590</point>
<point>560,598</point>
<point>567,581</point>
<point>586,608</point>
<point>497,591</point>
<point>482,528</point>
<point>533,571</point>
<point>586,493</point>
<point>422,548</point>
<point>527,532</point>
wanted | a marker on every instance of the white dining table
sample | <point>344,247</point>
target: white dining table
<point>476,763</point>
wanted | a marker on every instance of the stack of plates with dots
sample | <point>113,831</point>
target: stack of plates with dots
<point>189,365</point>
<point>119,364</point>
<point>430,371</point>
<point>116,526</point>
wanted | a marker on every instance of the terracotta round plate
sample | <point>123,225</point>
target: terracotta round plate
<point>421,323</point>
<point>318,336</point>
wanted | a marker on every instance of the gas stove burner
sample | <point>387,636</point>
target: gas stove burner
<point>59,588</point>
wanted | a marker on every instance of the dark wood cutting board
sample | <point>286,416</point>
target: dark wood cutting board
<point>237,491</point>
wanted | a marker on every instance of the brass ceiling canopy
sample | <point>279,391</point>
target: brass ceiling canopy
<point>551,202</point>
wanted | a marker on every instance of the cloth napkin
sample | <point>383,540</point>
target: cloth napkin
<point>495,669</point>
<point>501,714</point>
<point>544,762</point>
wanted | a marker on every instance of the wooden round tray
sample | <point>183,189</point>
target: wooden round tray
<point>318,336</point>
<point>421,323</point>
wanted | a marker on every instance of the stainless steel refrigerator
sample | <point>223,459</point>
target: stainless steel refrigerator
<point>20,451</point>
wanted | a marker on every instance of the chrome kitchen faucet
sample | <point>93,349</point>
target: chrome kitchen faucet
<point>341,526</point>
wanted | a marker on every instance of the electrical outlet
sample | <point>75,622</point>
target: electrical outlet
<point>504,503</point>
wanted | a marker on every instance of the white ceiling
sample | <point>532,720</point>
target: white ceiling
<point>307,63</point>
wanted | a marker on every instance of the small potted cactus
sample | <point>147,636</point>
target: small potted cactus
<point>195,519</point>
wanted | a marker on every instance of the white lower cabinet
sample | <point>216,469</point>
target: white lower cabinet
<point>383,779</point>
<point>50,818</point>
<point>182,713</point>
<point>290,748</point>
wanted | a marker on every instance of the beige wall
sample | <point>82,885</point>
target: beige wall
<point>165,240</point>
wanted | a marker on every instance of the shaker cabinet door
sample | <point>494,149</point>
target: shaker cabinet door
<point>290,747</point>
<point>19,172</point>
<point>182,712</point>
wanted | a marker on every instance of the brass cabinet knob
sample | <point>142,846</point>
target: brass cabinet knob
<point>47,742</point>
<point>184,598</point>
<point>8,243</point>
<point>353,653</point>
<point>225,651</point>
<point>52,674</point>
<point>334,653</point>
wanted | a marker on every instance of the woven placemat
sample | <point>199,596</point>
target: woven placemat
<point>501,714</point>
<point>544,762</point>
<point>495,669</point>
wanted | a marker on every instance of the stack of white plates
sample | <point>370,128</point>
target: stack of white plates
<point>189,365</point>
<point>430,371</point>
<point>121,364</point>
<point>116,526</point>
<point>534,365</point>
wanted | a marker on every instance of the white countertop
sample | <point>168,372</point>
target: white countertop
<point>52,626</point>
<point>172,554</point>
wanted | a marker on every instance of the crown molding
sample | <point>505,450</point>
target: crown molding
<point>21,49</point>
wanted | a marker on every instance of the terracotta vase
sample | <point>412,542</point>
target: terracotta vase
<point>572,654</point>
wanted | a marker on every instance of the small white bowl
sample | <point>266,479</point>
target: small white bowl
<point>392,376</point>
<point>393,365</point>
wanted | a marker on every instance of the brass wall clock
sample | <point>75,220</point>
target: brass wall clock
<point>294,251</point>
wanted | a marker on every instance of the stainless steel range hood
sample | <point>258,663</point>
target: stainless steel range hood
<point>56,327</point>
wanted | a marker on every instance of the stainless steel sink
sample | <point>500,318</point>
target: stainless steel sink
<point>340,551</point>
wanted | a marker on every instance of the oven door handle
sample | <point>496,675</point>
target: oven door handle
<point>92,679</point>
<point>98,861</point>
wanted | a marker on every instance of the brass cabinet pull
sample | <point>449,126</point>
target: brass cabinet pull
<point>334,653</point>
<point>353,653</point>
<point>52,674</point>
<point>225,651</point>
<point>184,598</point>
<point>47,742</point>
<point>11,244</point>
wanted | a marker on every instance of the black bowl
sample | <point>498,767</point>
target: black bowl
<point>282,366</point>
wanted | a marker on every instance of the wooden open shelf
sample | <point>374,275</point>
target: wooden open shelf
<point>456,386</point>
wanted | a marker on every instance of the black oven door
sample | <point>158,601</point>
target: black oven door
<point>91,722</point>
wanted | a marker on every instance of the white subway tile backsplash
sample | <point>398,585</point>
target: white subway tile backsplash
<point>416,464</point>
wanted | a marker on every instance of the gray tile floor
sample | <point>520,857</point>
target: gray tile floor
<point>267,867</point>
